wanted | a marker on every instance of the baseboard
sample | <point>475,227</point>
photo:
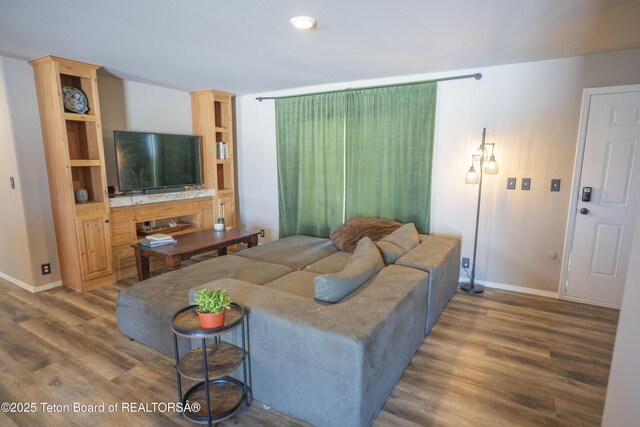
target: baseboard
<point>30,288</point>
<point>48,286</point>
<point>591,302</point>
<point>513,288</point>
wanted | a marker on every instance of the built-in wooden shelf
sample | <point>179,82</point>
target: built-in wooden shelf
<point>79,117</point>
<point>75,159</point>
<point>213,119</point>
<point>84,163</point>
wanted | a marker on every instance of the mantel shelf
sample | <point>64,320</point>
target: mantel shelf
<point>79,117</point>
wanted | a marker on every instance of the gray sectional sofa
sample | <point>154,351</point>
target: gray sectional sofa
<point>328,364</point>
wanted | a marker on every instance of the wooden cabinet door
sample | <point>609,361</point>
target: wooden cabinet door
<point>95,246</point>
<point>229,210</point>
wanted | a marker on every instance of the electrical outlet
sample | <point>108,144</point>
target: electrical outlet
<point>465,262</point>
<point>46,269</point>
<point>526,183</point>
<point>555,185</point>
<point>12,183</point>
<point>261,233</point>
<point>511,183</point>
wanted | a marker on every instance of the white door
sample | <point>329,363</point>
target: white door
<point>604,225</point>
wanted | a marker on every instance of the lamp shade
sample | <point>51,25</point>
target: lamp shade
<point>491,168</point>
<point>471,177</point>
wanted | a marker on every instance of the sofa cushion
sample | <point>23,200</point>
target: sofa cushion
<point>331,264</point>
<point>364,264</point>
<point>297,252</point>
<point>440,257</point>
<point>430,253</point>
<point>347,236</point>
<point>297,283</point>
<point>398,243</point>
<point>144,311</point>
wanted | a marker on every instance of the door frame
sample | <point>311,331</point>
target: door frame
<point>587,94</point>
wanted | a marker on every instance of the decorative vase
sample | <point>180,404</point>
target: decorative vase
<point>211,320</point>
<point>82,195</point>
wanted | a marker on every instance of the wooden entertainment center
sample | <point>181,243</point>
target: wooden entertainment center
<point>94,237</point>
<point>128,221</point>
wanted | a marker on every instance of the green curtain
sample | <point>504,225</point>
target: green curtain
<point>389,134</point>
<point>310,149</point>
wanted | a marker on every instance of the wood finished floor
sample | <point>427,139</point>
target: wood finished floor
<point>495,359</point>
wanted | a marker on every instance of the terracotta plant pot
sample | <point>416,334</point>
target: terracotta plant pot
<point>211,320</point>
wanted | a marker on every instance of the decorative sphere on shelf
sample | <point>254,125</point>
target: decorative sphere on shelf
<point>82,195</point>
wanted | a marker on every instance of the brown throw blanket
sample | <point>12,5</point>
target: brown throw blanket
<point>347,236</point>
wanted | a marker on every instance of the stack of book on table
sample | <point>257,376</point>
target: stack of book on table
<point>154,240</point>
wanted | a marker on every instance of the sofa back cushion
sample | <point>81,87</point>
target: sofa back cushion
<point>398,243</point>
<point>364,264</point>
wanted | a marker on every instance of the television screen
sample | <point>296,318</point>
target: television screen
<point>154,160</point>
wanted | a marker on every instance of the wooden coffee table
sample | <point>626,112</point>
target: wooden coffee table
<point>191,244</point>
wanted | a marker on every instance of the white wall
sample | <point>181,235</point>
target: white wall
<point>114,117</point>
<point>531,112</point>
<point>126,105</point>
<point>14,243</point>
<point>29,158</point>
<point>621,406</point>
<point>257,205</point>
<point>157,109</point>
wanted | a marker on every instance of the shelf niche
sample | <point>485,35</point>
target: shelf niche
<point>189,223</point>
<point>83,140</point>
<point>221,114</point>
<point>225,177</point>
<point>224,137</point>
<point>83,84</point>
<point>90,178</point>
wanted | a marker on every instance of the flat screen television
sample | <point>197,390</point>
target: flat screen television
<point>155,160</point>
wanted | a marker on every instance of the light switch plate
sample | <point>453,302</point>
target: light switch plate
<point>555,184</point>
<point>511,183</point>
<point>526,183</point>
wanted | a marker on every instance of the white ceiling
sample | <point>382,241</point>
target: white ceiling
<point>248,46</point>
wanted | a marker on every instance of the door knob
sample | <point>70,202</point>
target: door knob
<point>584,211</point>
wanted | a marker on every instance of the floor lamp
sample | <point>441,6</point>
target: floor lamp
<point>490,168</point>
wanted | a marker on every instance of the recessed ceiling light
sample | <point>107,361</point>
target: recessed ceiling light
<point>303,22</point>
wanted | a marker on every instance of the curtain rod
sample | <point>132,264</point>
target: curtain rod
<point>476,76</point>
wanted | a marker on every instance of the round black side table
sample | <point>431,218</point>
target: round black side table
<point>218,395</point>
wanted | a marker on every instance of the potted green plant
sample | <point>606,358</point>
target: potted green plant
<point>211,307</point>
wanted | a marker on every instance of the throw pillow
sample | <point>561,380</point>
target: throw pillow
<point>347,236</point>
<point>363,265</point>
<point>398,243</point>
